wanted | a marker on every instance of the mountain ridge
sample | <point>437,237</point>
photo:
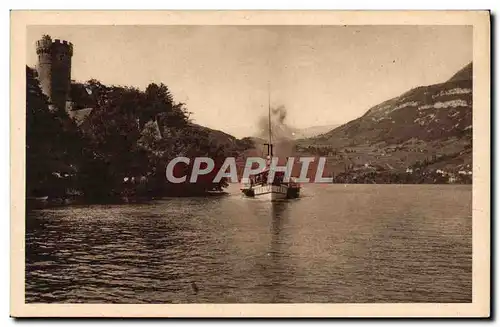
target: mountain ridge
<point>427,124</point>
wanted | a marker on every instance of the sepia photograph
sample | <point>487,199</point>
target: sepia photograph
<point>252,162</point>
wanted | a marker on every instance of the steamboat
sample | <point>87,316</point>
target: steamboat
<point>259,185</point>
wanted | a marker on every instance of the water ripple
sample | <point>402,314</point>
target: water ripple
<point>337,244</point>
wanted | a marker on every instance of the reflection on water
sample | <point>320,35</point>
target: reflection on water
<point>355,243</point>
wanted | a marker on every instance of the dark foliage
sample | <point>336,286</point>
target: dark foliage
<point>122,148</point>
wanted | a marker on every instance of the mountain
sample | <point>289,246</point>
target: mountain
<point>427,126</point>
<point>421,136</point>
<point>283,131</point>
<point>314,131</point>
<point>464,74</point>
<point>226,140</point>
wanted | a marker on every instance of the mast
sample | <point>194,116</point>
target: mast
<point>270,145</point>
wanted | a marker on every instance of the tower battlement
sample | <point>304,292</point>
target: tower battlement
<point>48,46</point>
<point>62,46</point>
<point>44,44</point>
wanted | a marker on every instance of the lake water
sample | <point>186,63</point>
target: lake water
<point>352,243</point>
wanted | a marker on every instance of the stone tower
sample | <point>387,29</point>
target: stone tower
<point>54,69</point>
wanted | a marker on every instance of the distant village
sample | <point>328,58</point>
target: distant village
<point>382,166</point>
<point>368,174</point>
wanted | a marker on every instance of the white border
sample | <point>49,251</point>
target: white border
<point>478,4</point>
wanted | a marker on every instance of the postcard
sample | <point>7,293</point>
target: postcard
<point>250,164</point>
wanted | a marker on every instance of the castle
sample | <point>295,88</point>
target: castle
<point>54,74</point>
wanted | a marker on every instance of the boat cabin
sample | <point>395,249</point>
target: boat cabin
<point>262,179</point>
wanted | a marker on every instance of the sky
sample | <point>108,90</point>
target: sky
<point>322,75</point>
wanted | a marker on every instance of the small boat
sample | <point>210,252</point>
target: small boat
<point>258,185</point>
<point>37,201</point>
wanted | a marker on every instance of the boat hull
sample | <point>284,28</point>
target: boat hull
<point>271,192</point>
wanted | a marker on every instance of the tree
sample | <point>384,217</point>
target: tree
<point>130,135</point>
<point>52,141</point>
<point>112,134</point>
